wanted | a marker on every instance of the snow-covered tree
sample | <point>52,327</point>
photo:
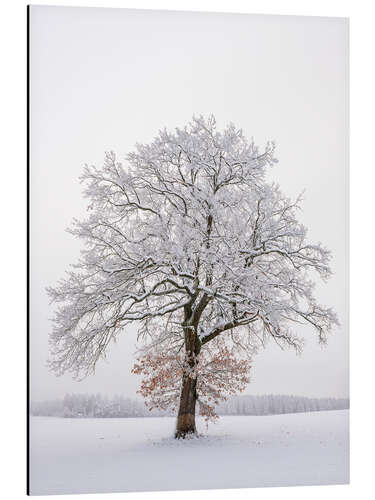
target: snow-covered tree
<point>187,240</point>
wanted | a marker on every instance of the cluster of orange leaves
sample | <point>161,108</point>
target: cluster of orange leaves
<point>220,372</point>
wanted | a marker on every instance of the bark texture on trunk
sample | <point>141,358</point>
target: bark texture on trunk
<point>186,412</point>
<point>188,397</point>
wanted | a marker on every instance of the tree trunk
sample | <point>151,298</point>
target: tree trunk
<point>188,398</point>
<point>186,412</point>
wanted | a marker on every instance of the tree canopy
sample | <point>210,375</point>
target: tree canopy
<point>187,234</point>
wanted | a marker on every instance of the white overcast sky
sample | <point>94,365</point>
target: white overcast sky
<point>104,79</point>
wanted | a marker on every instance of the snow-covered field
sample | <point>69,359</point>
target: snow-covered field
<point>114,455</point>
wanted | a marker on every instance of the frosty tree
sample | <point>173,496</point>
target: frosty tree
<point>187,240</point>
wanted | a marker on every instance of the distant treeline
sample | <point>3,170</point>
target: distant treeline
<point>271,404</point>
<point>98,406</point>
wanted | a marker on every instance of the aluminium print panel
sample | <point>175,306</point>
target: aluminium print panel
<point>189,329</point>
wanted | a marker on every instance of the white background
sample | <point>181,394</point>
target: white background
<point>13,373</point>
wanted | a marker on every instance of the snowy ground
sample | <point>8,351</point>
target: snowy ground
<point>114,455</point>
